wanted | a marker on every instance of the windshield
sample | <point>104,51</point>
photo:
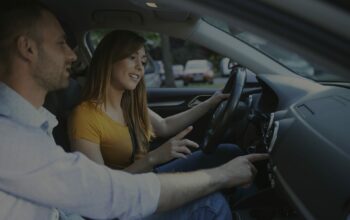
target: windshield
<point>291,60</point>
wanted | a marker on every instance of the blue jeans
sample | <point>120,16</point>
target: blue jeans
<point>198,160</point>
<point>211,207</point>
<point>207,208</point>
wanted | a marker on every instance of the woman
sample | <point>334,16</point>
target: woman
<point>115,102</point>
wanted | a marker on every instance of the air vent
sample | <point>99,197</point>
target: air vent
<point>304,110</point>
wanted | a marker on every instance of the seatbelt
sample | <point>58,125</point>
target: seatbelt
<point>134,143</point>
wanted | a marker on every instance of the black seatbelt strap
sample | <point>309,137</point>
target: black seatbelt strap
<point>134,142</point>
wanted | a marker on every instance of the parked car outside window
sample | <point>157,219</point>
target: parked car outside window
<point>198,71</point>
<point>178,70</point>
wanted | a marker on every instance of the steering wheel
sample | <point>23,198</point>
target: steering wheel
<point>224,112</point>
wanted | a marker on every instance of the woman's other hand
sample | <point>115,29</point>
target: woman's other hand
<point>176,147</point>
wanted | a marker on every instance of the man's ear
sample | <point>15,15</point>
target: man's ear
<point>27,48</point>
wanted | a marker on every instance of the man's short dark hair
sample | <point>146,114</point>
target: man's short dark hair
<point>17,17</point>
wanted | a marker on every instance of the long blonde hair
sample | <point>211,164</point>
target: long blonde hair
<point>116,46</point>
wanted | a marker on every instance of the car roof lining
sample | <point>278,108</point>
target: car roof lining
<point>126,15</point>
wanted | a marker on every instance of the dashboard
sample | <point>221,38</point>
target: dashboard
<point>305,129</point>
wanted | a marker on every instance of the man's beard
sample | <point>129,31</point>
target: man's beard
<point>47,76</point>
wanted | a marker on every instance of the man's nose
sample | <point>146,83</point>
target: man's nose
<point>71,55</point>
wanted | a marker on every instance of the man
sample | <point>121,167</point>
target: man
<point>38,180</point>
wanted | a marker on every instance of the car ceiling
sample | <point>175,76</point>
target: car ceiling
<point>109,13</point>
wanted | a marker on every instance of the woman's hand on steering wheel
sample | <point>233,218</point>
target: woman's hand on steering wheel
<point>216,98</point>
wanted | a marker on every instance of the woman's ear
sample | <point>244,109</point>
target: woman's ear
<point>27,48</point>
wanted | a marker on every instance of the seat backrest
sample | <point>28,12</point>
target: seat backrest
<point>61,103</point>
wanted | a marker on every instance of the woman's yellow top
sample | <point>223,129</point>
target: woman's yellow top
<point>90,123</point>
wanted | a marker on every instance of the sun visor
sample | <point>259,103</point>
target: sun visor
<point>172,16</point>
<point>117,16</point>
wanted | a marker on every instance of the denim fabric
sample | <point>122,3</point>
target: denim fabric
<point>212,207</point>
<point>199,160</point>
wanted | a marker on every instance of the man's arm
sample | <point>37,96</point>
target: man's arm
<point>178,189</point>
<point>33,168</point>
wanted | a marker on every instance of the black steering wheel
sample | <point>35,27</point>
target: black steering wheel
<point>224,112</point>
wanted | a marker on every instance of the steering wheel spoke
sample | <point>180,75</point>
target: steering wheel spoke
<point>224,113</point>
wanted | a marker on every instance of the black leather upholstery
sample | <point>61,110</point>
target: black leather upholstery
<point>61,103</point>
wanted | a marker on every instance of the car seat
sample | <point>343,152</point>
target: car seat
<point>61,103</point>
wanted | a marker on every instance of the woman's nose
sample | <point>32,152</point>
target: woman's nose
<point>139,64</point>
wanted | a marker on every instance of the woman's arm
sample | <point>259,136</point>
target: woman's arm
<point>90,149</point>
<point>165,127</point>
<point>93,152</point>
<point>142,165</point>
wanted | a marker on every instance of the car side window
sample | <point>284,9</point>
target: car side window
<point>186,64</point>
<point>182,64</point>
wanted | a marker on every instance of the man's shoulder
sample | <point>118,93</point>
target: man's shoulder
<point>8,123</point>
<point>12,129</point>
<point>18,136</point>
<point>23,147</point>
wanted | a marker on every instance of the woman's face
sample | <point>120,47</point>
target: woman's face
<point>128,72</point>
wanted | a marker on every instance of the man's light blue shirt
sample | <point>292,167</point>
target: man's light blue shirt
<point>37,177</point>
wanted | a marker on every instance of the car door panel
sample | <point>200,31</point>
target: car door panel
<point>170,101</point>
